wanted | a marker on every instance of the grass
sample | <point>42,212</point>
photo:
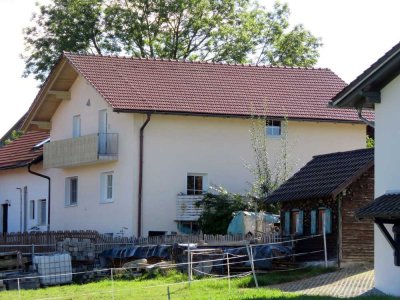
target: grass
<point>156,287</point>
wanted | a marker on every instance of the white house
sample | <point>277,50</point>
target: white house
<point>24,185</point>
<point>378,87</point>
<point>134,142</point>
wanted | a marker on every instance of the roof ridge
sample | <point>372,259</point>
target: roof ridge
<point>345,152</point>
<point>188,61</point>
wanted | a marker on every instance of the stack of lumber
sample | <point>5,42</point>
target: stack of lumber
<point>12,260</point>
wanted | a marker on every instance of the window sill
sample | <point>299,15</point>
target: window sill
<point>106,202</point>
<point>70,205</point>
<point>274,137</point>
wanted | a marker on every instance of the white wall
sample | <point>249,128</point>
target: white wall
<point>387,166</point>
<point>173,146</point>
<point>37,189</point>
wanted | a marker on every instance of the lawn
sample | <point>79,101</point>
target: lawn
<point>156,287</point>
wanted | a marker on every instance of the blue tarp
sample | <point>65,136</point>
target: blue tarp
<point>243,222</point>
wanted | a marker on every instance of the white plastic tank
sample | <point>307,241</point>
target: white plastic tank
<point>55,268</point>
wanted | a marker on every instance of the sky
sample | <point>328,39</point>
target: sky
<point>355,33</point>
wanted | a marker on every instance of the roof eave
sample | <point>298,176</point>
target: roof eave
<point>373,80</point>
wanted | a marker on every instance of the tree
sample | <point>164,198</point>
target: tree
<point>235,31</point>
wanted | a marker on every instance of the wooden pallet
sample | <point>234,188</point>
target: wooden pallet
<point>12,261</point>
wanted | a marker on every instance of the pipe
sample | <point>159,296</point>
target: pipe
<point>49,190</point>
<point>140,185</point>
<point>366,121</point>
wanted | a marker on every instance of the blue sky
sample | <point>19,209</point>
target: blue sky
<point>355,33</point>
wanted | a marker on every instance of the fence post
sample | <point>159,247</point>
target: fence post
<point>19,289</point>
<point>188,262</point>
<point>324,234</point>
<point>250,253</point>
<point>229,272</point>
<point>33,254</point>
<point>112,283</point>
<point>168,293</point>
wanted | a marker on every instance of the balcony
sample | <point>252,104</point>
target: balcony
<point>186,209</point>
<point>83,150</point>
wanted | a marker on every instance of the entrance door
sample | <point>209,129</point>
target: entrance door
<point>5,218</point>
<point>103,127</point>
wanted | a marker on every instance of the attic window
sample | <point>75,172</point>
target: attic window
<point>273,128</point>
<point>39,145</point>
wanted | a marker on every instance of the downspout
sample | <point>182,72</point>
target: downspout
<point>49,190</point>
<point>140,185</point>
<point>366,121</point>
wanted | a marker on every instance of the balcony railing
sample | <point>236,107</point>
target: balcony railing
<point>186,209</point>
<point>83,150</point>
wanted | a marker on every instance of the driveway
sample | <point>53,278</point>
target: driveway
<point>346,282</point>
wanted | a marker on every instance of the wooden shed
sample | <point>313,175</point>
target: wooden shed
<point>331,187</point>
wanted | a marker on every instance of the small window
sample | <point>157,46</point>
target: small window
<point>324,213</point>
<point>42,210</point>
<point>76,126</point>
<point>107,183</point>
<point>32,209</point>
<point>293,222</point>
<point>71,191</point>
<point>196,184</point>
<point>274,128</point>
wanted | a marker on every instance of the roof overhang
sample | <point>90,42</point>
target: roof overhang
<point>364,91</point>
<point>53,91</point>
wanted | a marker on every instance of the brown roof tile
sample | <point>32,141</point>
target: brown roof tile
<point>323,175</point>
<point>20,152</point>
<point>165,86</point>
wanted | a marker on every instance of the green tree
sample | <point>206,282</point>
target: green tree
<point>237,31</point>
<point>218,210</point>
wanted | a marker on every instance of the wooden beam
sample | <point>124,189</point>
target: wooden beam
<point>372,96</point>
<point>63,95</point>
<point>386,234</point>
<point>42,124</point>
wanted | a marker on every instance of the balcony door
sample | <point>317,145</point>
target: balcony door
<point>103,127</point>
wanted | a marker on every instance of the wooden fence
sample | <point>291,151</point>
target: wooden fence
<point>47,241</point>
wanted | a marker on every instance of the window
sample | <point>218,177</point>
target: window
<point>196,184</point>
<point>324,214</point>
<point>274,128</point>
<point>42,209</point>
<point>76,126</point>
<point>71,191</point>
<point>32,209</point>
<point>106,184</point>
<point>293,222</point>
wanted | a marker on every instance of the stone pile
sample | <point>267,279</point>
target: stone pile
<point>80,250</point>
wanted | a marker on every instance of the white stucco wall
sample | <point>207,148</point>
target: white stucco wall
<point>173,147</point>
<point>37,189</point>
<point>387,166</point>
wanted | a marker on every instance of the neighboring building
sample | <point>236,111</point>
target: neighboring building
<point>23,193</point>
<point>134,142</point>
<point>378,88</point>
<point>331,186</point>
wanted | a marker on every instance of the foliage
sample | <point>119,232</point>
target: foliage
<point>237,31</point>
<point>370,142</point>
<point>218,210</point>
<point>13,136</point>
<point>268,174</point>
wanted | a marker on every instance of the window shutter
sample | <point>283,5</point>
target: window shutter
<point>300,225</point>
<point>328,221</point>
<point>287,223</point>
<point>313,221</point>
<point>67,191</point>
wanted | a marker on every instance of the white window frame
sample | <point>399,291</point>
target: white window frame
<point>204,183</point>
<point>42,219</point>
<point>76,126</point>
<point>105,187</point>
<point>273,128</point>
<point>69,191</point>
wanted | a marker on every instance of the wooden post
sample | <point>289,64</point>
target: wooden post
<point>188,262</point>
<point>324,234</point>
<point>250,254</point>
<point>229,272</point>
<point>19,289</point>
<point>112,283</point>
<point>168,293</point>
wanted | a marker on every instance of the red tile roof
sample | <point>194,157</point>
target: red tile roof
<point>19,152</point>
<point>165,86</point>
